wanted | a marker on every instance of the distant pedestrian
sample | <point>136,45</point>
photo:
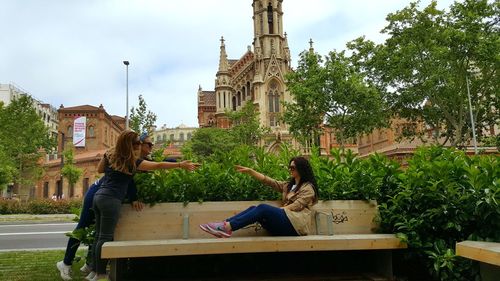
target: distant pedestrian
<point>54,197</point>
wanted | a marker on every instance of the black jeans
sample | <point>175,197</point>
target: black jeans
<point>107,211</point>
<point>86,219</point>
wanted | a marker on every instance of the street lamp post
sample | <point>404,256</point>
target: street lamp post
<point>126,63</point>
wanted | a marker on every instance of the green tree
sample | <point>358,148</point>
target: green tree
<point>142,119</point>
<point>245,126</point>
<point>23,139</point>
<point>427,59</point>
<point>7,170</point>
<point>69,170</point>
<point>305,115</point>
<point>209,142</point>
<point>355,106</point>
<point>335,94</point>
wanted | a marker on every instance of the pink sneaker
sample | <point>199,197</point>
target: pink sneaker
<point>217,229</point>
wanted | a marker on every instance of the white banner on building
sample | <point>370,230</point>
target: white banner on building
<point>79,129</point>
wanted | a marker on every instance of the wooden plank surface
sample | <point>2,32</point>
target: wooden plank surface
<point>165,220</point>
<point>488,252</point>
<point>175,247</point>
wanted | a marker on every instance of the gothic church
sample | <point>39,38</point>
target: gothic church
<point>258,77</point>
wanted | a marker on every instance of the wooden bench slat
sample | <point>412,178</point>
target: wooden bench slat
<point>175,247</point>
<point>488,252</point>
<point>165,220</point>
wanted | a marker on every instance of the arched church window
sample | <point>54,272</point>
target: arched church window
<point>70,131</point>
<point>234,103</point>
<point>273,97</point>
<point>248,89</point>
<point>238,97</point>
<point>91,131</point>
<point>274,103</point>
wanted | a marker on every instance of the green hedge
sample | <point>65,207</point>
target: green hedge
<point>442,197</point>
<point>39,206</point>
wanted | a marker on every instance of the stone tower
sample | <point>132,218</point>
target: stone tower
<point>272,61</point>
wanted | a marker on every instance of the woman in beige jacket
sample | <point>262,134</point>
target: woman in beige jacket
<point>294,218</point>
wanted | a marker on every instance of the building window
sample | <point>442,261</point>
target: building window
<point>70,131</point>
<point>181,136</point>
<point>46,189</point>
<point>172,137</point>
<point>91,131</point>
<point>248,89</point>
<point>189,136</point>
<point>85,186</point>
<point>273,100</point>
<point>270,18</point>
<point>234,103</point>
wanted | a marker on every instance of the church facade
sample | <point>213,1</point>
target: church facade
<point>257,77</point>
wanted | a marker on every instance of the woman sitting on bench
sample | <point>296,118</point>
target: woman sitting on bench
<point>294,218</point>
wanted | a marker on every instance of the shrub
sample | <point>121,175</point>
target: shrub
<point>38,206</point>
<point>444,197</point>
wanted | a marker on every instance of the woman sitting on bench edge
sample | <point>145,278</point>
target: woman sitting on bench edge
<point>294,218</point>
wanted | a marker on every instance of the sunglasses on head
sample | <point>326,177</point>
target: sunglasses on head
<point>150,144</point>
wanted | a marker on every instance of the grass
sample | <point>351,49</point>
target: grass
<point>36,265</point>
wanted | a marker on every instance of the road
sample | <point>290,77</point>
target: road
<point>34,236</point>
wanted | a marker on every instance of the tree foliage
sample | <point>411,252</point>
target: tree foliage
<point>335,94</point>
<point>427,59</point>
<point>209,142</point>
<point>305,115</point>
<point>69,170</point>
<point>23,139</point>
<point>245,125</point>
<point>142,119</point>
<point>355,107</point>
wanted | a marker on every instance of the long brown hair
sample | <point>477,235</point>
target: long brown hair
<point>122,157</point>
<point>306,175</point>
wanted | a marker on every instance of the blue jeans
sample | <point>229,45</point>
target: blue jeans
<point>107,211</point>
<point>86,219</point>
<point>271,218</point>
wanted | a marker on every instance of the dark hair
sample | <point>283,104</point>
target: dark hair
<point>306,175</point>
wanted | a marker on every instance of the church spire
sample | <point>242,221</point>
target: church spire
<point>311,48</point>
<point>223,63</point>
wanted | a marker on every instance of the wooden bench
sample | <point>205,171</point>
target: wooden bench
<point>487,253</point>
<point>171,229</point>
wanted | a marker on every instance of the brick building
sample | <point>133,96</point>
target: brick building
<point>102,131</point>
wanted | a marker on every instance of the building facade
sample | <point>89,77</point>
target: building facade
<point>48,114</point>
<point>257,77</point>
<point>102,131</point>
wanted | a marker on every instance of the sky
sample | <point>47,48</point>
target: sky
<point>72,52</point>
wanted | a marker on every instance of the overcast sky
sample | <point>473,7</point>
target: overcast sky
<point>70,52</point>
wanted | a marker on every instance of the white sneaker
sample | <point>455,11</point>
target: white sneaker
<point>91,276</point>
<point>85,269</point>
<point>65,270</point>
